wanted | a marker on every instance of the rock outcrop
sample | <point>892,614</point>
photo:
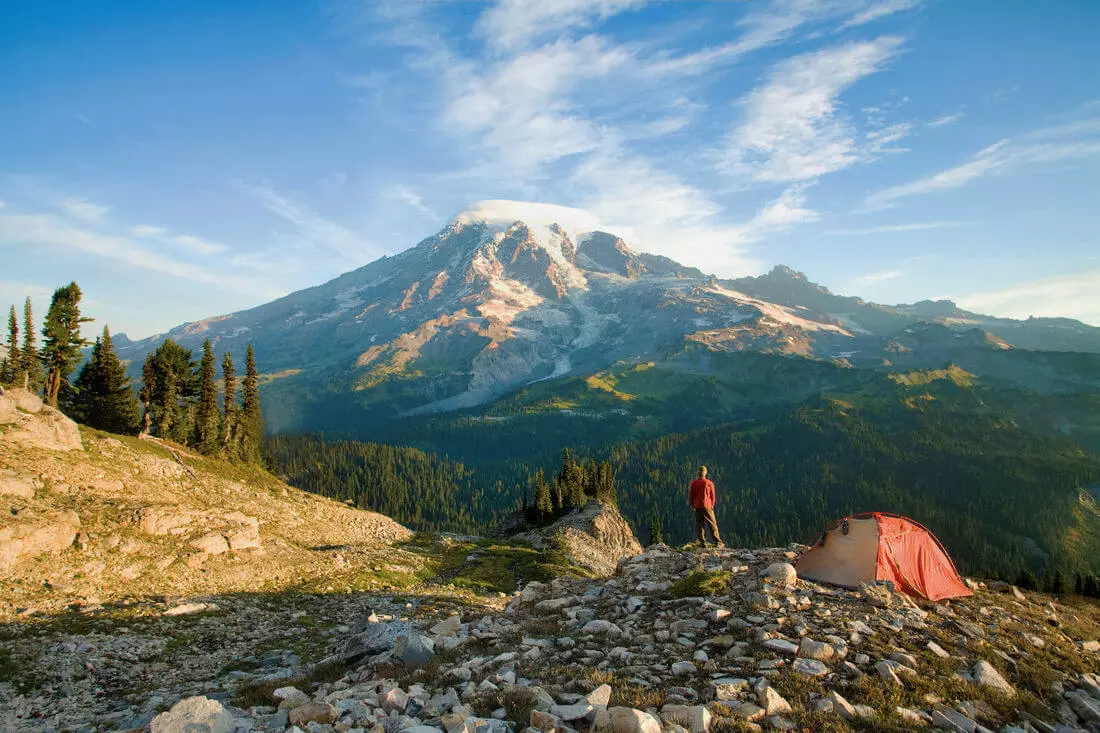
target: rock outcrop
<point>36,424</point>
<point>595,537</point>
<point>24,537</point>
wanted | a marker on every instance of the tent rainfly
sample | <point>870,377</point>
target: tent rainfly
<point>880,546</point>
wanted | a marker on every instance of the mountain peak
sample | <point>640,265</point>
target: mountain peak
<point>500,214</point>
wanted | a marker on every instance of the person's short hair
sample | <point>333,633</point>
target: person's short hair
<point>702,470</point>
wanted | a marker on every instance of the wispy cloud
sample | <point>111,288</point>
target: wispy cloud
<point>1072,296</point>
<point>794,128</point>
<point>879,10</point>
<point>512,24</point>
<point>52,231</point>
<point>311,227</point>
<point>147,230</point>
<point>408,196</point>
<point>946,120</point>
<point>872,278</point>
<point>1075,141</point>
<point>894,228</point>
<point>83,210</point>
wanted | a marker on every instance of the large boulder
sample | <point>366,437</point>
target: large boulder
<point>47,429</point>
<point>25,539</point>
<point>25,401</point>
<point>194,715</point>
<point>374,637</point>
<point>414,649</point>
<point>596,537</point>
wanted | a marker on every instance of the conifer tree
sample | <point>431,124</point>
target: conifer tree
<point>61,348</point>
<point>656,530</point>
<point>32,362</point>
<point>229,410</point>
<point>103,396</point>
<point>1092,587</point>
<point>170,387</point>
<point>544,505</point>
<point>207,427</point>
<point>13,363</point>
<point>606,493</point>
<point>148,387</point>
<point>252,423</point>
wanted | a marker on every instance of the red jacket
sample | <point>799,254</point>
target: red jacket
<point>702,494</point>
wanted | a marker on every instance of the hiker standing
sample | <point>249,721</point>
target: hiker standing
<point>701,497</point>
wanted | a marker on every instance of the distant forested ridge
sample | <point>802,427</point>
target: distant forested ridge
<point>413,487</point>
<point>1002,499</point>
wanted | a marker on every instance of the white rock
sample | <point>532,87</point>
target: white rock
<point>600,626</point>
<point>599,697</point>
<point>842,707</point>
<point>937,650</point>
<point>194,715</point>
<point>695,718</point>
<point>987,675</point>
<point>190,609</point>
<point>781,645</point>
<point>629,720</point>
<point>782,573</point>
<point>772,702</point>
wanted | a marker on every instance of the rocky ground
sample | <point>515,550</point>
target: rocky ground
<point>147,589</point>
<point>722,640</point>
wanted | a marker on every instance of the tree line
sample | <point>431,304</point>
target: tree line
<point>178,397</point>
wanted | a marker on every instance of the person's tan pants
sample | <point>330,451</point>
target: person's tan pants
<point>704,518</point>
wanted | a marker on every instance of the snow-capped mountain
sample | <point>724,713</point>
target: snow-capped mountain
<point>512,294</point>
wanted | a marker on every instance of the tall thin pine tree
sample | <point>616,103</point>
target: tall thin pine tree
<point>32,361</point>
<point>207,427</point>
<point>229,414</point>
<point>13,364</point>
<point>252,423</point>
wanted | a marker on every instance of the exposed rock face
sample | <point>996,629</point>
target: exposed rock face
<point>13,483</point>
<point>24,400</point>
<point>35,536</point>
<point>595,536</point>
<point>211,533</point>
<point>46,428</point>
<point>194,715</point>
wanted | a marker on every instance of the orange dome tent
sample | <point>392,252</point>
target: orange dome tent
<point>880,546</point>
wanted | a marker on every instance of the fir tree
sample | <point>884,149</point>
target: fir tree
<point>13,363</point>
<point>1078,584</point>
<point>170,386</point>
<point>656,530</point>
<point>32,362</point>
<point>252,423</point>
<point>103,397</point>
<point>207,427</point>
<point>544,505</point>
<point>229,411</point>
<point>1092,587</point>
<point>1056,583</point>
<point>606,492</point>
<point>148,387</point>
<point>61,349</point>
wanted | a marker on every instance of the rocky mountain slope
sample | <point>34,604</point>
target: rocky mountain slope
<point>93,518</point>
<point>511,294</point>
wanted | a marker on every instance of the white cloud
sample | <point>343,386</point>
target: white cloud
<point>312,227</point>
<point>83,209</point>
<point>892,228</point>
<point>1039,148</point>
<point>879,10</point>
<point>512,24</point>
<point>48,230</point>
<point>878,277</point>
<point>408,196</point>
<point>793,128</point>
<point>198,245</point>
<point>147,230</point>
<point>946,120</point>
<point>1070,296</point>
<point>520,110</point>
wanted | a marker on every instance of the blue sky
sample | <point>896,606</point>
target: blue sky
<point>181,160</point>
